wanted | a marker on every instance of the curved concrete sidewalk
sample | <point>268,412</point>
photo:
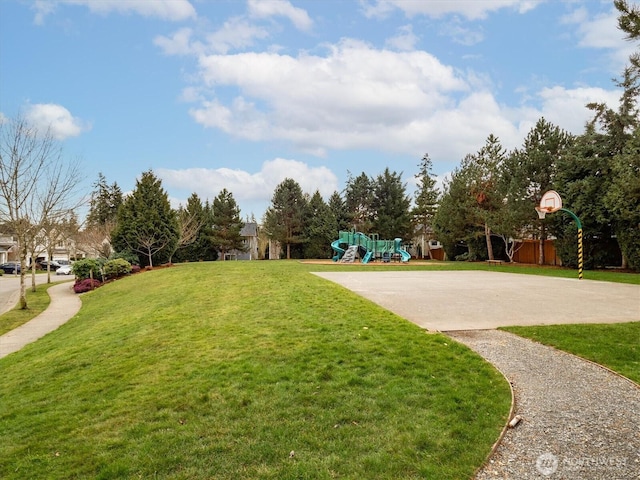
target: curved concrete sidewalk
<point>65,303</point>
<point>10,288</point>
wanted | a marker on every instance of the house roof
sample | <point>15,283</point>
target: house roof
<point>249,230</point>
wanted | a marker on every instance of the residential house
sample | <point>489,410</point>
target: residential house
<point>8,249</point>
<point>249,234</point>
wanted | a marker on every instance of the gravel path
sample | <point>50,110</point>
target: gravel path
<point>579,421</point>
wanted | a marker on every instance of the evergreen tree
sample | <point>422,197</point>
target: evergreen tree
<point>358,199</point>
<point>103,214</point>
<point>201,249</point>
<point>536,165</point>
<point>516,216</point>
<point>227,224</point>
<point>619,127</point>
<point>623,199</point>
<point>147,226</point>
<point>390,205</point>
<point>584,174</point>
<point>284,220</point>
<point>473,209</point>
<point>104,204</point>
<point>426,203</point>
<point>484,180</point>
<point>453,224</point>
<point>629,22</point>
<point>339,211</point>
<point>320,228</point>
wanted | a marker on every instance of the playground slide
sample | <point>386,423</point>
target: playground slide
<point>367,257</point>
<point>404,255</point>
<point>338,249</point>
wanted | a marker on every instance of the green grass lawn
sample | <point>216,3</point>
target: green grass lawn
<point>221,370</point>
<point>617,346</point>
<point>37,302</point>
<point>605,276</point>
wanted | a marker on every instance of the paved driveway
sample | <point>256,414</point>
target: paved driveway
<point>477,300</point>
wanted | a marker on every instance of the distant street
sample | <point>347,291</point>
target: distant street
<point>10,288</point>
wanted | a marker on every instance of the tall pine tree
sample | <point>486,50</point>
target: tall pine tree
<point>358,199</point>
<point>147,226</point>
<point>426,204</point>
<point>284,219</point>
<point>390,206</point>
<point>227,224</point>
<point>320,228</point>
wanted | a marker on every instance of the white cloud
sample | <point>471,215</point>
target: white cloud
<point>250,187</point>
<point>471,9</point>
<point>601,32</point>
<point>266,9</point>
<point>172,10</point>
<point>236,33</point>
<point>56,118</point>
<point>354,97</point>
<point>462,34</point>
<point>405,40</point>
<point>179,43</point>
<point>566,107</point>
<point>358,97</point>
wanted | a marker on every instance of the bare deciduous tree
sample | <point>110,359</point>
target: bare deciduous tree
<point>36,184</point>
<point>189,226</point>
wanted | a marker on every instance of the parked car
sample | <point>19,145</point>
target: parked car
<point>64,270</point>
<point>54,265</point>
<point>10,267</point>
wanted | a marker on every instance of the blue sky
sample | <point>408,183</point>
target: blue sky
<point>242,94</point>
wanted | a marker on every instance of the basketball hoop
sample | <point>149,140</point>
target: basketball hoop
<point>550,201</point>
<point>542,211</point>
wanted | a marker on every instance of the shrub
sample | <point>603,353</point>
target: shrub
<point>130,257</point>
<point>117,268</point>
<point>87,268</point>
<point>135,268</point>
<point>86,284</point>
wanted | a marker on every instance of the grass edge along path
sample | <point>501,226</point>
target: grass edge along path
<point>37,302</point>
<point>615,346</point>
<point>244,370</point>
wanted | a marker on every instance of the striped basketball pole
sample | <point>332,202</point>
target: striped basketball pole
<point>580,259</point>
<point>580,255</point>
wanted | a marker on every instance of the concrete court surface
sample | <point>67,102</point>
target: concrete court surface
<point>477,300</point>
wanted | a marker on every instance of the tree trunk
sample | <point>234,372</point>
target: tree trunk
<point>23,279</point>
<point>33,276</point>
<point>543,234</point>
<point>288,251</point>
<point>487,235</point>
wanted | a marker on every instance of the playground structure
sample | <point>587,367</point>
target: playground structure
<point>369,248</point>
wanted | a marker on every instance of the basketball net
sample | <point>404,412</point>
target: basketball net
<point>542,211</point>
